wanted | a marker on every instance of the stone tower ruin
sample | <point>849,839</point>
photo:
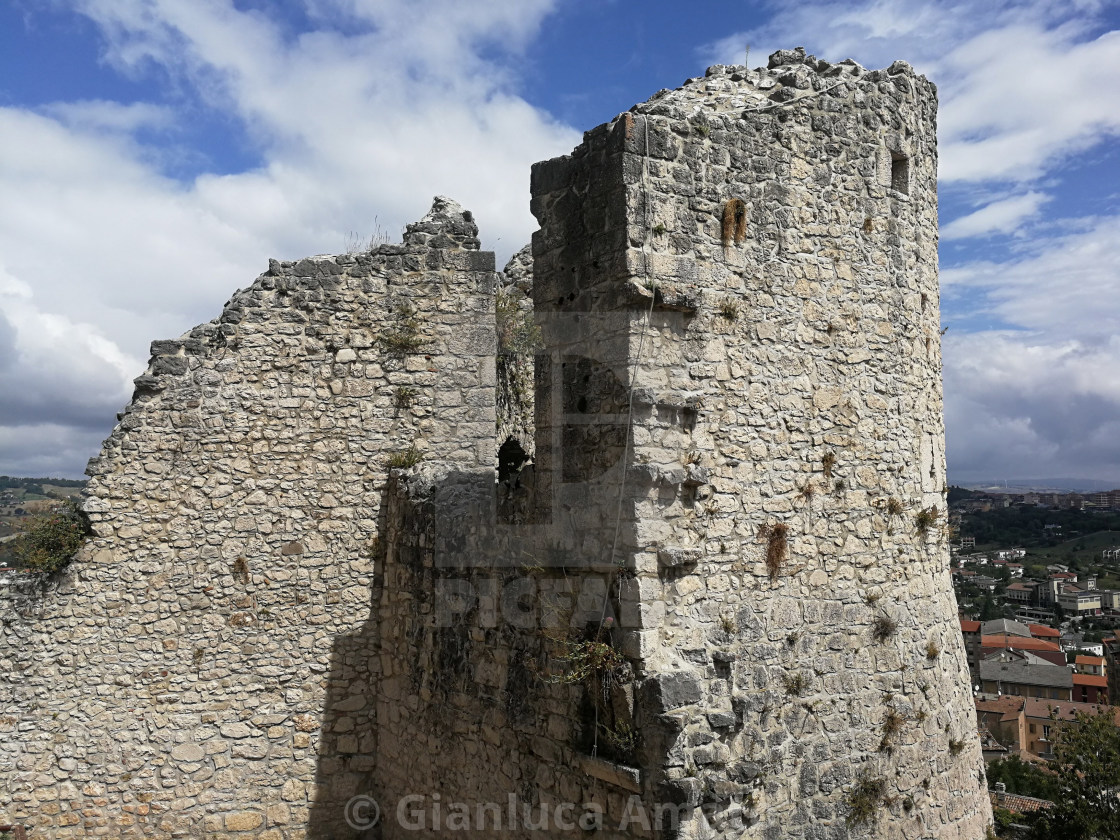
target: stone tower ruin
<point>696,587</point>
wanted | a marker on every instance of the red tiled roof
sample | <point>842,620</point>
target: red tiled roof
<point>1089,660</point>
<point>1018,804</point>
<point>1041,631</point>
<point>1038,707</point>
<point>1063,576</point>
<point>970,626</point>
<point>1017,643</point>
<point>1007,706</point>
<point>1090,679</point>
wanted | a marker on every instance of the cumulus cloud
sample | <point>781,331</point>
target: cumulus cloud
<point>1002,216</point>
<point>1033,406</point>
<point>1043,399</point>
<point>363,114</point>
<point>52,367</point>
<point>363,109</point>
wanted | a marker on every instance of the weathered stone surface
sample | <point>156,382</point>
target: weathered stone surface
<point>671,691</point>
<point>244,821</point>
<point>187,752</point>
<point>736,294</point>
<point>236,502</point>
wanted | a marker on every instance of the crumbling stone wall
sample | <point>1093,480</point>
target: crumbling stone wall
<point>175,681</point>
<point>518,342</point>
<point>720,591</point>
<point>771,237</point>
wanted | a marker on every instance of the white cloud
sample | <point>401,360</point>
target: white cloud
<point>1023,405</point>
<point>382,107</point>
<point>1062,285</point>
<point>1011,110</point>
<point>368,117</point>
<point>103,115</point>
<point>1043,399</point>
<point>54,367</point>
<point>1003,216</point>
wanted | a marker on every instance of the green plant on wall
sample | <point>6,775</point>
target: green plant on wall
<point>882,628</point>
<point>518,332</point>
<point>49,542</point>
<point>892,726</point>
<point>405,458</point>
<point>795,684</point>
<point>585,659</point>
<point>865,799</point>
<point>926,519</point>
<point>404,336</point>
<point>403,396</point>
<point>776,536</point>
<point>591,660</point>
<point>729,308</point>
<point>894,509</point>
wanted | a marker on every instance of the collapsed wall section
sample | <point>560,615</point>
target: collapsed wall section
<point>787,600</point>
<point>207,664</point>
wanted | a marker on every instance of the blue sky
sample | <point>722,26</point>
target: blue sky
<point>155,153</point>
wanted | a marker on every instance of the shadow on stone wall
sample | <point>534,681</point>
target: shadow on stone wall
<point>445,689</point>
<point>342,801</point>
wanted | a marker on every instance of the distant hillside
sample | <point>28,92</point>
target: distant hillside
<point>37,486</point>
<point>1039,485</point>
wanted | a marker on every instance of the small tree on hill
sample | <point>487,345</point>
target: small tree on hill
<point>1087,764</point>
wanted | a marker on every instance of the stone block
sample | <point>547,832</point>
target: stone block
<point>244,821</point>
<point>665,692</point>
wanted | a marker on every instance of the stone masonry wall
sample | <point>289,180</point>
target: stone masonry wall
<point>478,727</point>
<point>720,591</point>
<point>779,271</point>
<point>175,682</point>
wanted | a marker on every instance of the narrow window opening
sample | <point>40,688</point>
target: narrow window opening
<point>900,173</point>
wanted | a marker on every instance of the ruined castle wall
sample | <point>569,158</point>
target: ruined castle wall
<point>721,586</point>
<point>787,403</point>
<point>479,725</point>
<point>207,665</point>
<point>519,339</point>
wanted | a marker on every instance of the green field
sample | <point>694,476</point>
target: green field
<point>1082,549</point>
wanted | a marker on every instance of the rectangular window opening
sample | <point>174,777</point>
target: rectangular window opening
<point>900,173</point>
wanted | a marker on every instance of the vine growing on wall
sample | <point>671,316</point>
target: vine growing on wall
<point>518,332</point>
